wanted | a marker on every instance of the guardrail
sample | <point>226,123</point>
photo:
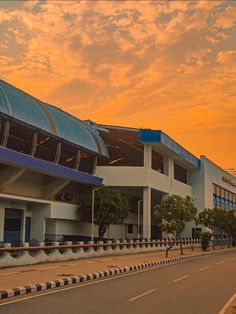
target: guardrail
<point>28,255</point>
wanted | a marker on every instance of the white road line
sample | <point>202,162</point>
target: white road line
<point>48,267</point>
<point>231,259</point>
<point>89,283</point>
<point>14,272</point>
<point>142,295</point>
<point>181,278</point>
<point>225,307</point>
<point>204,268</point>
<point>89,262</point>
<point>101,280</point>
<point>220,263</point>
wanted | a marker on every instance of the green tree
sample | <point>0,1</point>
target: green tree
<point>110,207</point>
<point>174,211</point>
<point>215,219</point>
<point>230,226</point>
<point>206,237</point>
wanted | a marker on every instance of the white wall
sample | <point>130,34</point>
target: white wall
<point>214,174</point>
<point>39,213</point>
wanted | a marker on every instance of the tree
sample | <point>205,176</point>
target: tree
<point>174,211</point>
<point>215,219</point>
<point>110,207</point>
<point>206,237</point>
<point>230,226</point>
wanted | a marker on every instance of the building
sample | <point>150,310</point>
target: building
<point>48,158</point>
<point>148,165</point>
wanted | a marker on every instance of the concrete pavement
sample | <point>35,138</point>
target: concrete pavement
<point>198,286</point>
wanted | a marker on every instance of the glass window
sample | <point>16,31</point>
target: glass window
<point>130,228</point>
<point>222,192</point>
<point>217,190</point>
<point>157,161</point>
<point>180,173</point>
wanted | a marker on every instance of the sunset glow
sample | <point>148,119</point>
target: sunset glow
<point>168,65</point>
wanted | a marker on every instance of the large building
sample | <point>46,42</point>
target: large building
<point>48,158</point>
<point>149,165</point>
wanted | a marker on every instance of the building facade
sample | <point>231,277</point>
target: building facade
<point>48,158</point>
<point>149,165</point>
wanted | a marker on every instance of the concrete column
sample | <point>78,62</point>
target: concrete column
<point>2,214</point>
<point>171,173</point>
<point>147,212</point>
<point>22,226</point>
<point>147,156</point>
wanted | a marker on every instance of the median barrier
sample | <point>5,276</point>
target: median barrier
<point>41,253</point>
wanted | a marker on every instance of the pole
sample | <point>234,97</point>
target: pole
<point>92,231</point>
<point>92,219</point>
<point>139,205</point>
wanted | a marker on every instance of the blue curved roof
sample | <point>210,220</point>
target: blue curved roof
<point>21,106</point>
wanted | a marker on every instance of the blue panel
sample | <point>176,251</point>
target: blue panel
<point>155,136</point>
<point>150,136</point>
<point>27,228</point>
<point>227,204</point>
<point>214,200</point>
<point>222,203</point>
<point>218,201</point>
<point>8,156</point>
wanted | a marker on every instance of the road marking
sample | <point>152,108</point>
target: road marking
<point>201,269</point>
<point>89,262</point>
<point>48,267</point>
<point>181,278</point>
<point>14,272</point>
<point>231,259</point>
<point>225,307</point>
<point>220,263</point>
<point>106,279</point>
<point>142,295</point>
<point>90,283</point>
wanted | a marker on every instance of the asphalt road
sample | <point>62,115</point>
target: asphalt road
<point>198,286</point>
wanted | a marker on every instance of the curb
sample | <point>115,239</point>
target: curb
<point>92,276</point>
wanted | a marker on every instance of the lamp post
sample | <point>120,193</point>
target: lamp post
<point>92,219</point>
<point>139,206</point>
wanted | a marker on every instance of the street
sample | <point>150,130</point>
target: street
<point>198,286</point>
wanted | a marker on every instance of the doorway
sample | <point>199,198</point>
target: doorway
<point>12,225</point>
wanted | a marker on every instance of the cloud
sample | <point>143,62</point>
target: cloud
<point>227,57</point>
<point>227,19</point>
<point>165,64</point>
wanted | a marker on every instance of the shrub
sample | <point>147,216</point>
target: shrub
<point>205,237</point>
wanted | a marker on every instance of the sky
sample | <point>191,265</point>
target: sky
<point>168,65</point>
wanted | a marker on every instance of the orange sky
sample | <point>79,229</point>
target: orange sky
<point>161,65</point>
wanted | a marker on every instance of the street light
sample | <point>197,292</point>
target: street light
<point>92,219</point>
<point>139,206</point>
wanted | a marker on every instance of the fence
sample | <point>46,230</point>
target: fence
<point>41,253</point>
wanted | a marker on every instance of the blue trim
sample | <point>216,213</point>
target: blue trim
<point>157,136</point>
<point>20,160</point>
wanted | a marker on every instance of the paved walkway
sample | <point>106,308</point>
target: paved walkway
<point>28,275</point>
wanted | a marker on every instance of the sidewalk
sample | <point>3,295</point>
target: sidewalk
<point>29,275</point>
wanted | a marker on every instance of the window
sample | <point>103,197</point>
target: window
<point>124,148</point>
<point>180,173</point>
<point>130,228</point>
<point>157,161</point>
